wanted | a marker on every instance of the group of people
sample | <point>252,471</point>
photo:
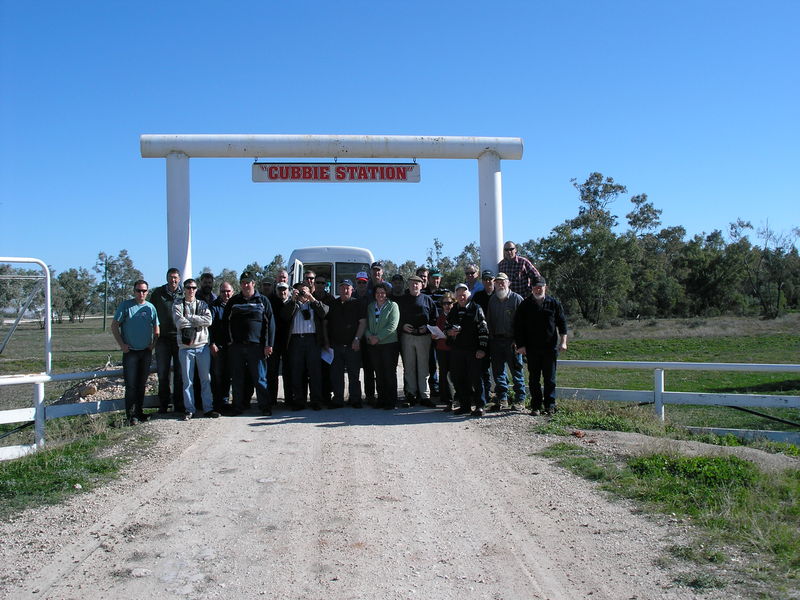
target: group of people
<point>454,344</point>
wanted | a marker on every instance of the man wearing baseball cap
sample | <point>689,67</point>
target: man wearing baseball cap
<point>540,333</point>
<point>249,329</point>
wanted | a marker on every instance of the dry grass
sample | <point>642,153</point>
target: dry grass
<point>689,327</point>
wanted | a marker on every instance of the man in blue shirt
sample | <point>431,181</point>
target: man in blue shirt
<point>135,328</point>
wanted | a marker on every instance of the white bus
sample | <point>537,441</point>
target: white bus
<point>335,263</point>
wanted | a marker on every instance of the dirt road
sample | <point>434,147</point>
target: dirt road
<point>342,504</point>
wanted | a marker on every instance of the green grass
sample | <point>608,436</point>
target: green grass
<point>52,475</point>
<point>735,507</point>
<point>613,416</point>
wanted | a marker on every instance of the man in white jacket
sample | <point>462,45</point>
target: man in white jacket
<point>192,318</point>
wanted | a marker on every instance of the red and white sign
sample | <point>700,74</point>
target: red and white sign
<point>336,172</point>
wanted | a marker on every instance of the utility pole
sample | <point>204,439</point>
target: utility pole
<point>105,293</point>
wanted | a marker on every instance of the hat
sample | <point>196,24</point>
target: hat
<point>246,276</point>
<point>435,273</point>
<point>462,286</point>
<point>346,282</point>
<point>501,276</point>
<point>486,275</point>
<point>362,275</point>
<point>268,280</point>
<point>539,281</point>
<point>397,277</point>
<point>376,265</point>
<point>282,285</point>
<point>415,278</point>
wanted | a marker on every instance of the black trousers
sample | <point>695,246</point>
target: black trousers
<point>369,371</point>
<point>542,366</point>
<point>166,356</point>
<point>443,358</point>
<point>304,358</point>
<point>466,372</point>
<point>135,370</point>
<point>384,359</point>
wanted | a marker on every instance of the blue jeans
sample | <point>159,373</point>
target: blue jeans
<point>503,353</point>
<point>135,369</point>
<point>248,358</point>
<point>199,358</point>
<point>344,357</point>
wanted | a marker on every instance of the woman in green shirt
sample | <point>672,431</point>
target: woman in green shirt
<point>383,316</point>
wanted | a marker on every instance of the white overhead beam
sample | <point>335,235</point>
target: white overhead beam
<point>327,146</point>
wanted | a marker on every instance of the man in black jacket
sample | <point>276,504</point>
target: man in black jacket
<point>163,297</point>
<point>249,329</point>
<point>540,332</point>
<point>468,337</point>
<point>347,321</point>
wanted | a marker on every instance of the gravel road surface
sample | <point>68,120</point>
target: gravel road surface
<point>341,504</point>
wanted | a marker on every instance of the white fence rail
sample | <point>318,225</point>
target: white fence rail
<point>40,413</point>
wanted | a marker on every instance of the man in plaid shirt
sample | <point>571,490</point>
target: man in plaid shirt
<point>521,272</point>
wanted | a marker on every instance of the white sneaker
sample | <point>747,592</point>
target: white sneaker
<point>187,416</point>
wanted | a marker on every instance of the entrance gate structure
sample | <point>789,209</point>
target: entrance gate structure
<point>177,149</point>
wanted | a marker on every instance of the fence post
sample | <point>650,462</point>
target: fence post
<point>658,392</point>
<point>39,416</point>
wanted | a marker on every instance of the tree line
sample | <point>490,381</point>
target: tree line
<point>600,269</point>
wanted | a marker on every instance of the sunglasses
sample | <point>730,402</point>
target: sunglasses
<point>140,291</point>
<point>508,249</point>
<point>190,287</point>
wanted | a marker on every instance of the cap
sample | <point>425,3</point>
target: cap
<point>435,273</point>
<point>376,265</point>
<point>502,276</point>
<point>397,277</point>
<point>415,278</point>
<point>487,275</point>
<point>346,282</point>
<point>282,285</point>
<point>362,275</point>
<point>462,286</point>
<point>246,276</point>
<point>539,281</point>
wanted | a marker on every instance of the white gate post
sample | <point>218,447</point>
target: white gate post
<point>490,198</point>
<point>658,393</point>
<point>179,226</point>
<point>38,415</point>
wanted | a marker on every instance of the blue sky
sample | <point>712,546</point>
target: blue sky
<point>693,103</point>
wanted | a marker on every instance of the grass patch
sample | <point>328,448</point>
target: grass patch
<point>605,416</point>
<point>733,504</point>
<point>52,475</point>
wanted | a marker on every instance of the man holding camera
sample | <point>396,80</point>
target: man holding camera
<point>307,336</point>
<point>249,329</point>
